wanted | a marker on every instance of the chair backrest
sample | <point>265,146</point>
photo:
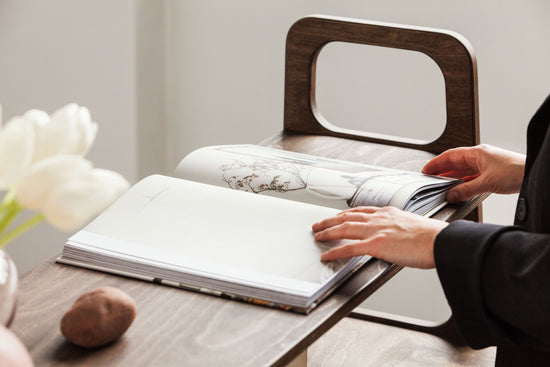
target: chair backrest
<point>452,53</point>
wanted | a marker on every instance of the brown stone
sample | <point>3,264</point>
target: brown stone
<point>98,317</point>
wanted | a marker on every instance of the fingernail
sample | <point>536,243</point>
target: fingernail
<point>318,235</point>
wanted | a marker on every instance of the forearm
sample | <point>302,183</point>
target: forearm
<point>494,278</point>
<point>516,286</point>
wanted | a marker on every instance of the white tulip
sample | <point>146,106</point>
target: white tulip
<point>37,117</point>
<point>44,176</point>
<point>74,203</point>
<point>70,130</point>
<point>17,139</point>
<point>41,161</point>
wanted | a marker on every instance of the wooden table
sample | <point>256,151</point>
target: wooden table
<point>181,328</point>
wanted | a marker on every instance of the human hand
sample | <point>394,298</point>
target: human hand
<point>484,168</point>
<point>386,233</point>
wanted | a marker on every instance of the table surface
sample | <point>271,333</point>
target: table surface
<point>178,327</point>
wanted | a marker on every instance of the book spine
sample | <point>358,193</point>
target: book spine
<point>188,287</point>
<point>233,297</point>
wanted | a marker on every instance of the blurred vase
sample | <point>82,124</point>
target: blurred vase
<point>8,289</point>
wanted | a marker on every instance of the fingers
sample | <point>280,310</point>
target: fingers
<point>375,246</point>
<point>457,159</point>
<point>464,174</point>
<point>356,214</point>
<point>346,251</point>
<point>346,230</point>
<point>361,209</point>
<point>465,191</point>
<point>351,224</point>
<point>388,234</point>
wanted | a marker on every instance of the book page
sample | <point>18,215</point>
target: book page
<point>300,177</point>
<point>215,232</point>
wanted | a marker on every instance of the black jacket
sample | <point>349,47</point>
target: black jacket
<point>497,278</point>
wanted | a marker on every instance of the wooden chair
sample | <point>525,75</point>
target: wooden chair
<point>370,338</point>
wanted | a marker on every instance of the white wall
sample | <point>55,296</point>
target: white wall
<point>225,64</point>
<point>151,88</point>
<point>226,61</point>
<point>60,51</point>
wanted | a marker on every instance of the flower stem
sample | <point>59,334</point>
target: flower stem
<point>10,212</point>
<point>26,225</point>
<point>8,198</point>
<point>6,204</point>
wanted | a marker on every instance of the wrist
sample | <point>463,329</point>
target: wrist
<point>520,172</point>
<point>435,227</point>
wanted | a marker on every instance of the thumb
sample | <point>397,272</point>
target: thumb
<point>464,191</point>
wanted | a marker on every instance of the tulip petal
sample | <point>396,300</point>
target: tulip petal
<point>88,131</point>
<point>17,139</point>
<point>74,203</point>
<point>37,117</point>
<point>69,131</point>
<point>44,176</point>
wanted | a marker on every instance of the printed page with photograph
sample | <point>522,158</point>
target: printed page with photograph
<point>311,179</point>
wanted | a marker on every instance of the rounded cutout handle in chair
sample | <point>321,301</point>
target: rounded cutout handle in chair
<point>451,52</point>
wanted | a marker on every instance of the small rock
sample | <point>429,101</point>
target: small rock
<point>98,317</point>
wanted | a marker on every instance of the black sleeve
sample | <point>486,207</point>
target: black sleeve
<point>497,282</point>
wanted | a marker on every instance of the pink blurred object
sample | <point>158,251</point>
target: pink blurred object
<point>12,351</point>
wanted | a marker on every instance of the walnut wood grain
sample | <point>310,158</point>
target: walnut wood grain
<point>351,150</point>
<point>176,327</point>
<point>446,330</point>
<point>451,52</point>
<point>361,343</point>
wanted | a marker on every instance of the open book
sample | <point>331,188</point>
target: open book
<point>208,231</point>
